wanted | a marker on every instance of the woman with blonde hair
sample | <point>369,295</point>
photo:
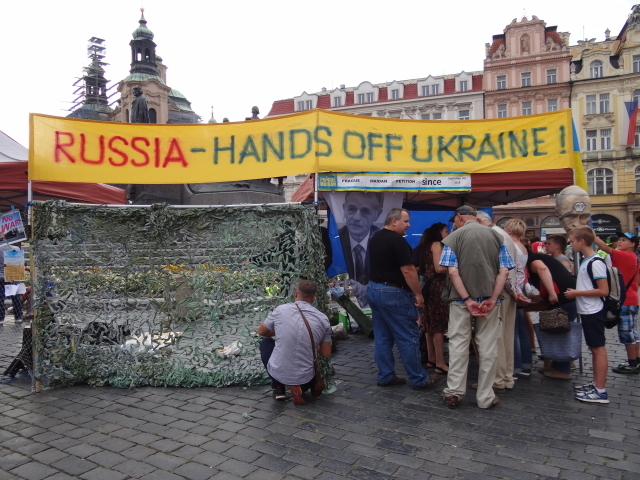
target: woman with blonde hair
<point>522,349</point>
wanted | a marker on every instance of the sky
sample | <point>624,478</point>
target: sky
<point>233,55</point>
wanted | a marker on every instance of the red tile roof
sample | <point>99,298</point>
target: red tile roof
<point>282,107</point>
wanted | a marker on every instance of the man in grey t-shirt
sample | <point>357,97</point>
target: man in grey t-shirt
<point>289,358</point>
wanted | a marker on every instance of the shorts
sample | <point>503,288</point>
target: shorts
<point>628,326</point>
<point>593,326</point>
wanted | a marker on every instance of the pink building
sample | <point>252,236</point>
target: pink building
<point>527,70</point>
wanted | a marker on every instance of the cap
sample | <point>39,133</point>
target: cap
<point>463,210</point>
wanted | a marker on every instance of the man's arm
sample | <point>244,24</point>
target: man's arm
<point>471,304</point>
<point>603,246</point>
<point>411,277</point>
<point>264,331</point>
<point>325,349</point>
<point>488,304</point>
<point>538,267</point>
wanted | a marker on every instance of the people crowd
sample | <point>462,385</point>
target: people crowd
<point>475,286</point>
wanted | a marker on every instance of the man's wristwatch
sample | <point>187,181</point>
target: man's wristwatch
<point>468,297</point>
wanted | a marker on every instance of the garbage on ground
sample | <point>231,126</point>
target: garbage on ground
<point>339,332</point>
<point>233,349</point>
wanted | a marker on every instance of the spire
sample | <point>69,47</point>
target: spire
<point>142,32</point>
<point>212,120</point>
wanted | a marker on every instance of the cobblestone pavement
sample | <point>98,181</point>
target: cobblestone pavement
<point>360,432</point>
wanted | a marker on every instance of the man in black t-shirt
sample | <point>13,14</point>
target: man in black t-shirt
<point>394,293</point>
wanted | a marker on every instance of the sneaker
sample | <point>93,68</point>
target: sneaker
<point>526,372</point>
<point>626,369</point>
<point>279,393</point>
<point>592,396</point>
<point>296,392</point>
<point>584,388</point>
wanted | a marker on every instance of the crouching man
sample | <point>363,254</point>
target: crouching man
<point>288,357</point>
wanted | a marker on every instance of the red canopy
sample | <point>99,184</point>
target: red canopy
<point>487,189</point>
<point>13,189</point>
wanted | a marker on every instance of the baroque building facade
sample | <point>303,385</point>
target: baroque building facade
<point>442,97</point>
<point>605,79</point>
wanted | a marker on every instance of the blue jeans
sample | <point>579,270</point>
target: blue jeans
<point>521,345</point>
<point>394,317</point>
<point>570,308</point>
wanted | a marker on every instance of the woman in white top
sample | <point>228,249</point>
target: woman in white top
<point>522,348</point>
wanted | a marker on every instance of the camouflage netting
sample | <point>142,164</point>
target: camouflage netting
<point>150,295</point>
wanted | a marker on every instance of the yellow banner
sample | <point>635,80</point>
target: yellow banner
<point>71,150</point>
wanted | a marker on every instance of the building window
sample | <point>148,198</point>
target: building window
<point>369,97</point>
<point>526,79</point>
<point>309,105</point>
<point>552,105</point>
<point>435,89</point>
<point>502,110</point>
<point>501,82</point>
<point>361,98</point>
<point>425,90</point>
<point>636,142</point>
<point>605,139</point>
<point>592,141</point>
<point>526,108</point>
<point>600,181</point>
<point>425,116</point>
<point>464,85</point>
<point>637,178</point>
<point>301,106</point>
<point>463,115</point>
<point>636,64</point>
<point>552,76</point>
<point>636,96</point>
<point>153,116</point>
<point>437,116</point>
<point>591,105</point>
<point>395,94</point>
<point>337,101</point>
<point>596,69</point>
<point>604,103</point>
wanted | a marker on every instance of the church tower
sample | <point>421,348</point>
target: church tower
<point>143,50</point>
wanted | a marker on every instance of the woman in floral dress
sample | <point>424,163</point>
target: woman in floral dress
<point>426,258</point>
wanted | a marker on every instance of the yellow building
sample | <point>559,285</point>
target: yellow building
<point>605,77</point>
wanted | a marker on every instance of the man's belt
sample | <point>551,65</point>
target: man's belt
<point>395,285</point>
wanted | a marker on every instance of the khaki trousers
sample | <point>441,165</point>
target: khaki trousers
<point>504,369</point>
<point>487,331</point>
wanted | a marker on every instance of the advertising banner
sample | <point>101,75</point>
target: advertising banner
<point>11,228</point>
<point>394,182</point>
<point>73,150</point>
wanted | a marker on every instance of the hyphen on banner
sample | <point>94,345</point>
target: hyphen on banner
<point>395,182</point>
<point>11,228</point>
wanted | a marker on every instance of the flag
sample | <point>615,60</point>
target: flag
<point>632,111</point>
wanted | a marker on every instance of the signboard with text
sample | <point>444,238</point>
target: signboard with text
<point>394,182</point>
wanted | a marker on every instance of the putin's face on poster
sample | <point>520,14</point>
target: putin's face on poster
<point>360,211</point>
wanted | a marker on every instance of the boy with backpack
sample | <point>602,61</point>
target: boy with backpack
<point>626,261</point>
<point>591,307</point>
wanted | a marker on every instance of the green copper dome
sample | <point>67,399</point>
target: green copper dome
<point>142,32</point>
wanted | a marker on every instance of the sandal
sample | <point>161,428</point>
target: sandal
<point>393,382</point>
<point>441,371</point>
<point>430,365</point>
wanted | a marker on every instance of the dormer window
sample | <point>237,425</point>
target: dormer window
<point>305,102</point>
<point>361,98</point>
<point>395,94</point>
<point>369,97</point>
<point>337,101</point>
<point>596,69</point>
<point>305,105</point>
<point>464,85</point>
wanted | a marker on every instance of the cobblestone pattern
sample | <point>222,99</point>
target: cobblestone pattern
<point>360,432</point>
